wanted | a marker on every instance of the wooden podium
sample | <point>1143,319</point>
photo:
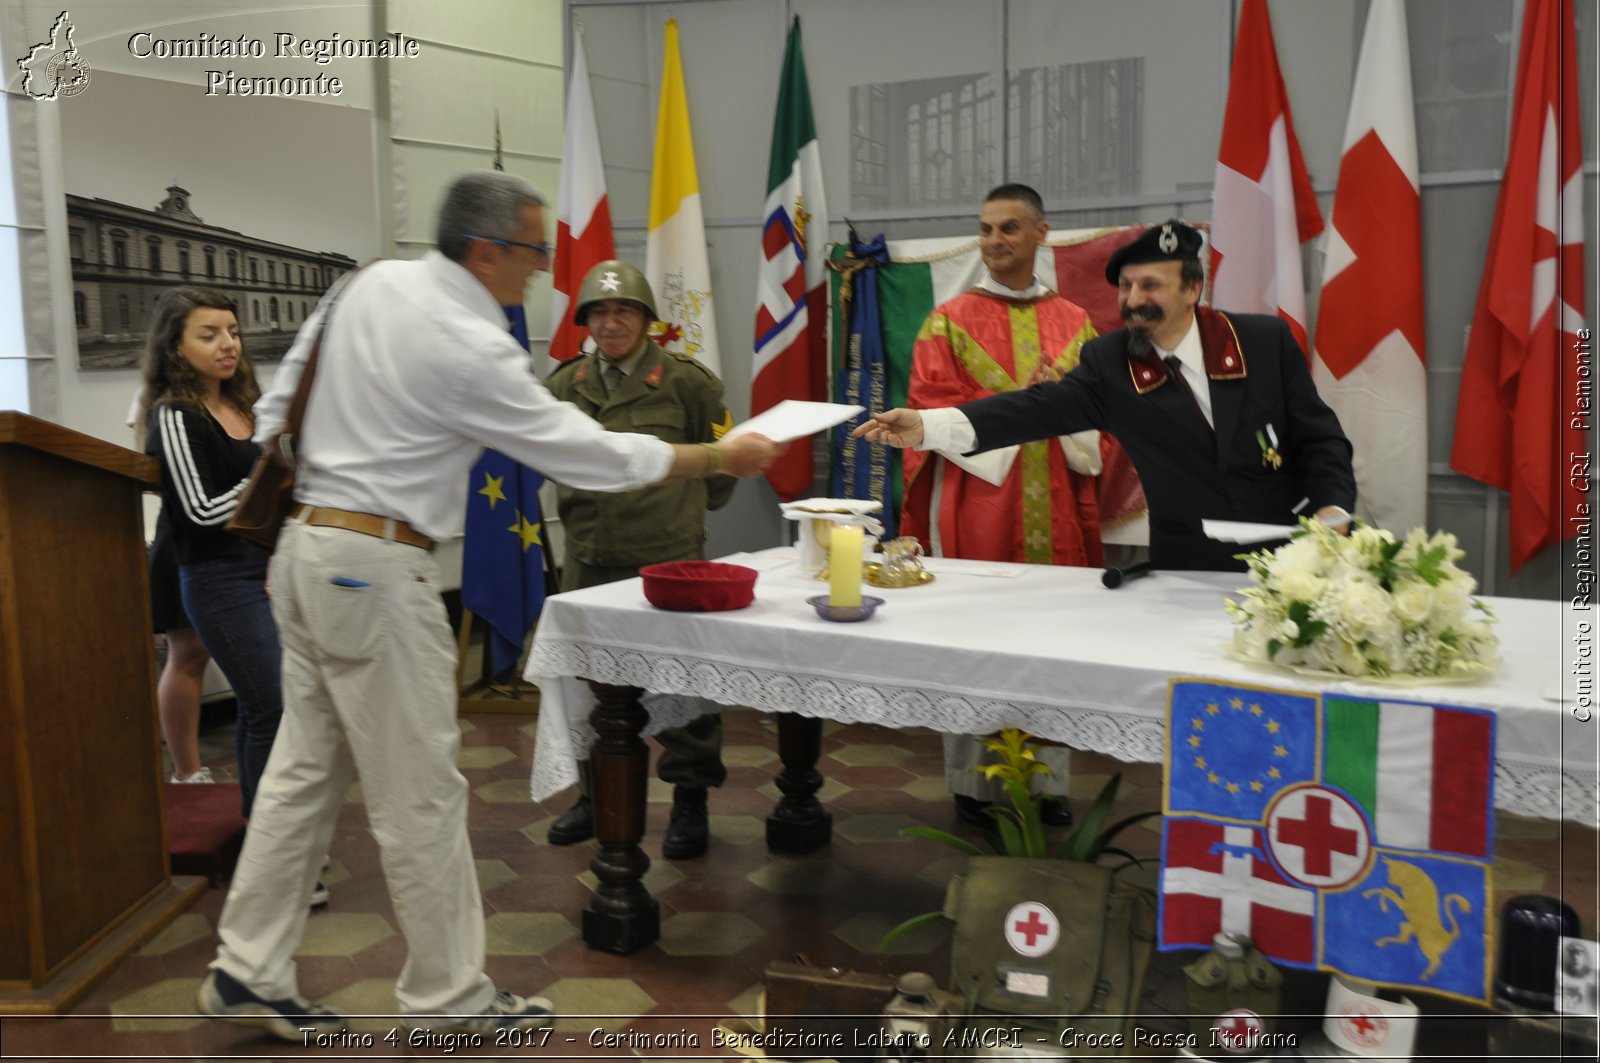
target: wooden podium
<point>84,875</point>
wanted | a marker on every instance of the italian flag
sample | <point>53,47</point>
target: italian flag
<point>1425,775</point>
<point>675,252</point>
<point>792,274</point>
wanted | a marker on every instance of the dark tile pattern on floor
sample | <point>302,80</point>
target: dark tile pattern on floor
<point>725,915</point>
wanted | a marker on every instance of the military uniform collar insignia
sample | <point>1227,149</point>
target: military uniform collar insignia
<point>1224,354</point>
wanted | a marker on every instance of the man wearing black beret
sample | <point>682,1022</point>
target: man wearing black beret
<point>1217,410</point>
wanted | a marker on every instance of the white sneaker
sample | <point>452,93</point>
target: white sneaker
<point>506,1011</point>
<point>319,895</point>
<point>203,775</point>
<point>290,1019</point>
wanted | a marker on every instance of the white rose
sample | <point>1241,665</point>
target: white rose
<point>1413,600</point>
<point>1298,585</point>
<point>1451,600</point>
<point>1303,555</point>
<point>1364,608</point>
<point>1344,656</point>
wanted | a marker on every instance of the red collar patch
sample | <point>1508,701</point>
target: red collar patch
<point>1224,355</point>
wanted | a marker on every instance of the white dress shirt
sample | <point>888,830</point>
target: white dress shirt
<point>1193,358</point>
<point>418,374</point>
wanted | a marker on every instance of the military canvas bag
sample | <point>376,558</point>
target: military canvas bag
<point>1055,947</point>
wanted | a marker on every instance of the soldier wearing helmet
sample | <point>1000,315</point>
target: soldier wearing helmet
<point>629,382</point>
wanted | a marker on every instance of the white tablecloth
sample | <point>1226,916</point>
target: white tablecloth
<point>988,645</point>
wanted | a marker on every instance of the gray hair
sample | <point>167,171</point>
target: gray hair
<point>485,203</point>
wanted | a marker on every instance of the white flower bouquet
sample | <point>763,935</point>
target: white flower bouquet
<point>1366,604</point>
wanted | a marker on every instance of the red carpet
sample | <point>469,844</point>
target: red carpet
<point>204,829</point>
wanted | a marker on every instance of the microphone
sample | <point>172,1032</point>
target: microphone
<point>1116,577</point>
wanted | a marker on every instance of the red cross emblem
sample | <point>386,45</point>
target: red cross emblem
<point>1032,929</point>
<point>1239,1030</point>
<point>1318,837</point>
<point>1363,1025</point>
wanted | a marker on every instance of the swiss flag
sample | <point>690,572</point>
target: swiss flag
<point>1524,408</point>
<point>583,218</point>
<point>1217,877</point>
<point>1264,207</point>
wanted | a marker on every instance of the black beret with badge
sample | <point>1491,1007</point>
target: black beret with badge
<point>1171,241</point>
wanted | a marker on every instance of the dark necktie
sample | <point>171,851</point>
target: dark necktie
<point>1175,370</point>
<point>613,379</point>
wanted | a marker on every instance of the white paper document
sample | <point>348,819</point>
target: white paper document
<point>1236,531</point>
<point>793,419</point>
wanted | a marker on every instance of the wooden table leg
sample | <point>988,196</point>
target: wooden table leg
<point>621,916</point>
<point>799,823</point>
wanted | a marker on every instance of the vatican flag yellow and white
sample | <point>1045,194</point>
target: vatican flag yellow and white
<point>675,256</point>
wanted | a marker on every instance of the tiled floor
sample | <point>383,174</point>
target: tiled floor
<point>724,915</point>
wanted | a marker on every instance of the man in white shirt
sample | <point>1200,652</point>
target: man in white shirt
<point>416,374</point>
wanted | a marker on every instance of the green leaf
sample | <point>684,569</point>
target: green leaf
<point>1027,812</point>
<point>1430,567</point>
<point>1012,842</point>
<point>916,922</point>
<point>1085,843</point>
<point>1123,824</point>
<point>934,834</point>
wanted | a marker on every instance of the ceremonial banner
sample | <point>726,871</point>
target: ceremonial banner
<point>1340,834</point>
<point>862,469</point>
<point>583,218</point>
<point>1369,357</point>
<point>502,560</point>
<point>921,274</point>
<point>791,288</point>
<point>675,251</point>
<point>1526,403</point>
<point>1264,207</point>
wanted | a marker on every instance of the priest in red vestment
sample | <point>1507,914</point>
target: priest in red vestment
<point>1035,503</point>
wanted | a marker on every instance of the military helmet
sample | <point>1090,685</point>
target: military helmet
<point>613,279</point>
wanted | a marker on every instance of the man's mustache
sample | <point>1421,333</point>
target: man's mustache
<point>1141,313</point>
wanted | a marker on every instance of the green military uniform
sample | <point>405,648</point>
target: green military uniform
<point>611,535</point>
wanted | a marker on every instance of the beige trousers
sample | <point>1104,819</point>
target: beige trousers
<point>369,691</point>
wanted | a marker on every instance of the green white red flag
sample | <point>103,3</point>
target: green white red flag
<point>791,282</point>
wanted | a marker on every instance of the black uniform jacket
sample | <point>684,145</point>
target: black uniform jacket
<point>1277,448</point>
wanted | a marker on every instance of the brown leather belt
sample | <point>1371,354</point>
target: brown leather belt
<point>366,524</point>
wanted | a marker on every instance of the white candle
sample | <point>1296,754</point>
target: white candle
<point>844,566</point>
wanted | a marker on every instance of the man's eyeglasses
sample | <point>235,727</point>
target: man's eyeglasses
<point>540,249</point>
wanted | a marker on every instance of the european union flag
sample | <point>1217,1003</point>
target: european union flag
<point>502,565</point>
<point>1233,748</point>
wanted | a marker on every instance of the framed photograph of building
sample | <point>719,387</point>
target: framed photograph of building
<point>269,200</point>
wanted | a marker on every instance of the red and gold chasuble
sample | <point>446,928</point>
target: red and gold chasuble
<point>980,344</point>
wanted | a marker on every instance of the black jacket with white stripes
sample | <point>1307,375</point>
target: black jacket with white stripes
<point>203,472</point>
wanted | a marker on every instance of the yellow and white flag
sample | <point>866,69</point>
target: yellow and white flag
<point>675,256</point>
